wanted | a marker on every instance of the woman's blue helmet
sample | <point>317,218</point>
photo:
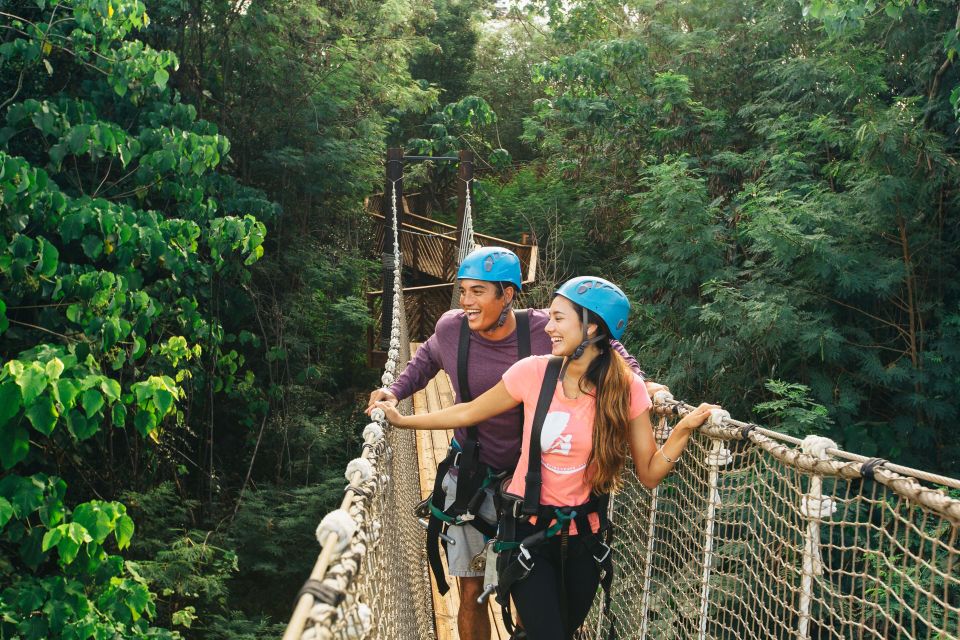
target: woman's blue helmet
<point>491,264</point>
<point>602,297</point>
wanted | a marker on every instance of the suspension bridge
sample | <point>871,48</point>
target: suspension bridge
<point>755,535</point>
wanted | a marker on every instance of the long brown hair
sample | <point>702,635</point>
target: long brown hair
<point>611,379</point>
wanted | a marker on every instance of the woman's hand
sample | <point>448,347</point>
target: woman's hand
<point>695,419</point>
<point>390,411</point>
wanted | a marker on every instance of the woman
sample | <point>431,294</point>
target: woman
<point>552,550</point>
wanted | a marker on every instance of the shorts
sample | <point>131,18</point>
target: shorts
<point>470,542</point>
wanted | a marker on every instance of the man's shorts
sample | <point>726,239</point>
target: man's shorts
<point>469,541</point>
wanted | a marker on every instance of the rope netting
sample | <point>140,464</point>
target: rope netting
<point>754,537</point>
<point>468,240</point>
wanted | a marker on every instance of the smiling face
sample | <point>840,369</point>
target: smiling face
<point>483,303</point>
<point>565,328</point>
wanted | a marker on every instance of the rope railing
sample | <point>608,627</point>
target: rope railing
<point>759,535</point>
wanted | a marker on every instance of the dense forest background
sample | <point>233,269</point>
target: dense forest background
<point>184,252</point>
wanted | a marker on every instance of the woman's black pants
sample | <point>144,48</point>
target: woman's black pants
<point>555,598</point>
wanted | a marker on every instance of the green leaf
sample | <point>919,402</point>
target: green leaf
<point>123,531</point>
<point>49,257</point>
<point>92,517</point>
<point>51,538</point>
<point>145,422</point>
<point>163,400</point>
<point>160,78</point>
<point>4,323</point>
<point>43,415</point>
<point>92,246</point>
<point>139,347</point>
<point>119,415</point>
<point>110,333</point>
<point>9,400</point>
<point>65,391</point>
<point>32,382</point>
<point>81,427</point>
<point>14,445</point>
<point>6,512</point>
<point>92,402</point>
<point>54,368</point>
<point>111,389</point>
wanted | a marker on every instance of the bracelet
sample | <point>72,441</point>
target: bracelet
<point>666,457</point>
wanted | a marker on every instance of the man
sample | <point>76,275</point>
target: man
<point>487,327</point>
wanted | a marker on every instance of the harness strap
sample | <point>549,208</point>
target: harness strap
<point>435,525</point>
<point>523,334</point>
<point>534,477</point>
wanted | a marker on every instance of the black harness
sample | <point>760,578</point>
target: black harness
<point>514,560</point>
<point>473,477</point>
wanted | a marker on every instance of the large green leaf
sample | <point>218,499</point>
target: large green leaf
<point>66,391</point>
<point>43,414</point>
<point>6,512</point>
<point>14,444</point>
<point>9,400</point>
<point>92,402</point>
<point>93,518</point>
<point>32,382</point>
<point>123,531</point>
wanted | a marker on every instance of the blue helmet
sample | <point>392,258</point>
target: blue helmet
<point>602,297</point>
<point>491,264</point>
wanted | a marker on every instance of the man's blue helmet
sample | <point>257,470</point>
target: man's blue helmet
<point>491,264</point>
<point>602,297</point>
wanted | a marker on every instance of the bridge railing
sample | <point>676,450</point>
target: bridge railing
<point>758,535</point>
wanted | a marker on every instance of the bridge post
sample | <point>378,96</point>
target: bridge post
<point>391,230</point>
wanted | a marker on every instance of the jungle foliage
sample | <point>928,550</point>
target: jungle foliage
<point>782,179</point>
<point>168,429</point>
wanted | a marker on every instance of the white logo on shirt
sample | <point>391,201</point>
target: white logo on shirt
<point>554,441</point>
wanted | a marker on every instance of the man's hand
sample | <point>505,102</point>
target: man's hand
<point>380,395</point>
<point>654,387</point>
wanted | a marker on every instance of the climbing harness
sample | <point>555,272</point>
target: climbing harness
<point>515,560</point>
<point>475,480</point>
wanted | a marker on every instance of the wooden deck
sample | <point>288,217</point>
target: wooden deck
<point>431,449</point>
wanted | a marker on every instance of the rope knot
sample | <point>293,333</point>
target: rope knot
<point>373,433</point>
<point>339,522</point>
<point>817,507</point>
<point>363,466</point>
<point>662,397</point>
<point>378,415</point>
<point>817,446</point>
<point>720,458</point>
<point>717,416</point>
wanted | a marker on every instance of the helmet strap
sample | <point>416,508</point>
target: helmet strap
<point>507,308</point>
<point>586,340</point>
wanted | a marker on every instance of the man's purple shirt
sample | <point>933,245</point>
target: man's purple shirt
<point>488,360</point>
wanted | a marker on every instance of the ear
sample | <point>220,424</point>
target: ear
<point>591,330</point>
<point>509,293</point>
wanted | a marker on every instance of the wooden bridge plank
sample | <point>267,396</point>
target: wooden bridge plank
<point>431,449</point>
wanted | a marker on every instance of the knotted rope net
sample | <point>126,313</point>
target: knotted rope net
<point>760,535</point>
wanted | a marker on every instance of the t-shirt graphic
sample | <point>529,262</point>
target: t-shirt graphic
<point>555,441</point>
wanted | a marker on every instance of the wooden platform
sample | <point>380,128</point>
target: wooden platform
<point>431,449</point>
